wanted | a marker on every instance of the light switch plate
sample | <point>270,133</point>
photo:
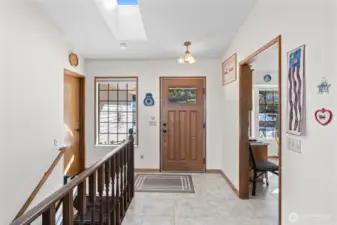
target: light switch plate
<point>294,144</point>
<point>152,123</point>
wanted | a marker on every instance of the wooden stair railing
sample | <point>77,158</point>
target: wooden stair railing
<point>112,178</point>
<point>40,184</point>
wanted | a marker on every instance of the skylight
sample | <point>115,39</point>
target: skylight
<point>127,2</point>
<point>123,18</point>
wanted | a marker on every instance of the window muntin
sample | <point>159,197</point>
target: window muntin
<point>268,113</point>
<point>116,110</point>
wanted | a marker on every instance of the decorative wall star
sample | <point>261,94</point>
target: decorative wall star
<point>323,87</point>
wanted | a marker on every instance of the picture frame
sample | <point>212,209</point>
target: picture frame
<point>229,69</point>
<point>296,112</point>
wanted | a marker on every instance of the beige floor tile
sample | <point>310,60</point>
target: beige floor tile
<point>213,203</point>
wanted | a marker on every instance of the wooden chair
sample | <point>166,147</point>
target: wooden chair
<point>262,167</point>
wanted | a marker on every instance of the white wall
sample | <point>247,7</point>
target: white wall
<point>2,112</point>
<point>148,73</point>
<point>35,59</point>
<point>335,73</point>
<point>258,77</point>
<point>310,178</point>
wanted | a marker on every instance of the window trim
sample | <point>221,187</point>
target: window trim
<point>95,108</point>
<point>257,89</point>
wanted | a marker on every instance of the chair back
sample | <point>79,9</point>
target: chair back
<point>251,157</point>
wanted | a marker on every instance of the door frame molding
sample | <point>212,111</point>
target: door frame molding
<point>82,114</point>
<point>160,111</point>
<point>243,124</point>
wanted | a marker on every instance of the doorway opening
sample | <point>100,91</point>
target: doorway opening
<point>260,120</point>
<point>74,124</point>
<point>183,124</point>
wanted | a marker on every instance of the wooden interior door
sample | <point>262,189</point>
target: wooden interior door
<point>182,125</point>
<point>72,88</point>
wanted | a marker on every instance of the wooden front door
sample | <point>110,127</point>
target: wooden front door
<point>72,164</point>
<point>182,124</point>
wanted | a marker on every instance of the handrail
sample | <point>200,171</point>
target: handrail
<point>41,183</point>
<point>44,205</point>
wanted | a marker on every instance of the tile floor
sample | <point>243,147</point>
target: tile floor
<point>213,203</point>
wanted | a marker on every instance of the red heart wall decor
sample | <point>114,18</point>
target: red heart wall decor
<point>323,116</point>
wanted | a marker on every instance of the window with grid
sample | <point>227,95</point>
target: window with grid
<point>116,110</point>
<point>268,113</point>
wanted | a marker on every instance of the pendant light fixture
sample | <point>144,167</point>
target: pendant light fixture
<point>187,57</point>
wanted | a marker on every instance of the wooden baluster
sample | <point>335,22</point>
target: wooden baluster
<point>92,195</point>
<point>100,192</point>
<point>122,182</point>
<point>118,218</point>
<point>125,178</point>
<point>132,168</point>
<point>68,209</point>
<point>127,174</point>
<point>113,173</point>
<point>48,217</point>
<point>120,197</point>
<point>107,184</point>
<point>132,163</point>
<point>82,197</point>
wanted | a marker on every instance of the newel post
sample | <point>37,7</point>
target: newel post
<point>132,163</point>
<point>131,137</point>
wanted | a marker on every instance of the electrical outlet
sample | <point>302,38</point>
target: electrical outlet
<point>142,156</point>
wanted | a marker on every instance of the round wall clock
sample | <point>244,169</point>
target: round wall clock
<point>73,59</point>
<point>267,78</point>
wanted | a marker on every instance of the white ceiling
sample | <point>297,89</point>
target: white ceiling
<point>209,24</point>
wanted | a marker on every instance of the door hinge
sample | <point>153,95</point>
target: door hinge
<point>204,161</point>
<point>204,90</point>
<point>204,125</point>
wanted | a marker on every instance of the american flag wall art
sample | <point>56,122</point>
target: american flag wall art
<point>296,91</point>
